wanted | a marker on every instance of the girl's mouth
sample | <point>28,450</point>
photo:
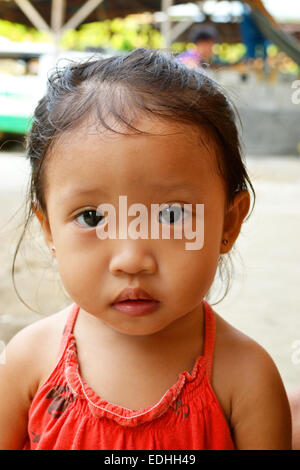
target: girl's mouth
<point>135,308</point>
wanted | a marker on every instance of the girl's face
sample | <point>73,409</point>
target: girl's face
<point>88,168</point>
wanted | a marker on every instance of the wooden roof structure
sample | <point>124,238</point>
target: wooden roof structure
<point>44,14</point>
<point>58,16</point>
<point>107,9</point>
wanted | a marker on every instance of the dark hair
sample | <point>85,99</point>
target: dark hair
<point>204,33</point>
<point>144,80</point>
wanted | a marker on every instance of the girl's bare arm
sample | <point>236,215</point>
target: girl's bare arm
<point>17,387</point>
<point>261,417</point>
<point>294,400</point>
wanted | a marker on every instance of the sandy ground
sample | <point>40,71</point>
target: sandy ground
<point>264,301</point>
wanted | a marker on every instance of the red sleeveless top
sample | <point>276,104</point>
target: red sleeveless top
<point>67,414</point>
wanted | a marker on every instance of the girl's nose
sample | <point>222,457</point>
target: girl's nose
<point>132,258</point>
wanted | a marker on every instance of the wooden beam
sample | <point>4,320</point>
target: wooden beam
<point>58,9</point>
<point>179,28</point>
<point>81,14</point>
<point>173,32</point>
<point>166,23</point>
<point>33,15</point>
<point>260,6</point>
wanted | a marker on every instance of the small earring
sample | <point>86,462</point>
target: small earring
<point>53,249</point>
<point>225,242</point>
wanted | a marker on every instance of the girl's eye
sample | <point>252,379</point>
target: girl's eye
<point>90,218</point>
<point>171,214</point>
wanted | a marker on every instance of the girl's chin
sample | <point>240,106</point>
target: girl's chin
<point>137,326</point>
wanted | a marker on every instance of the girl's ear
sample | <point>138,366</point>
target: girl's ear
<point>45,226</point>
<point>234,218</point>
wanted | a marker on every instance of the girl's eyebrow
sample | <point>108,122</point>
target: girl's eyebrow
<point>187,186</point>
<point>70,192</point>
<point>161,187</point>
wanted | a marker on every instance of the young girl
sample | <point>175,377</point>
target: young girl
<point>139,360</point>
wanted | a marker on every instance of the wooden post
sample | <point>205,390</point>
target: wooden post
<point>179,28</point>
<point>171,33</point>
<point>58,8</point>
<point>81,14</point>
<point>166,24</point>
<point>260,6</point>
<point>33,15</point>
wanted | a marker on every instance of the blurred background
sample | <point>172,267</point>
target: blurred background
<point>252,48</point>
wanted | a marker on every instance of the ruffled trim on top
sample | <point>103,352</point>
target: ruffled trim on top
<point>127,417</point>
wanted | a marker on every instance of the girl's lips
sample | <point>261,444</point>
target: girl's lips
<point>135,308</point>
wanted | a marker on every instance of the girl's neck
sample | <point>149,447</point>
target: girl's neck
<point>189,328</point>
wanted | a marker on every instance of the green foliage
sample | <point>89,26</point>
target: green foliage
<point>120,34</point>
<point>180,46</point>
<point>124,34</point>
<point>18,32</point>
<point>229,53</point>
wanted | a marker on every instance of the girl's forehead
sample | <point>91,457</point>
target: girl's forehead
<point>163,150</point>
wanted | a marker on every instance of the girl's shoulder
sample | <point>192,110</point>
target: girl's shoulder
<point>240,357</point>
<point>233,352</point>
<point>245,376</point>
<point>35,348</point>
